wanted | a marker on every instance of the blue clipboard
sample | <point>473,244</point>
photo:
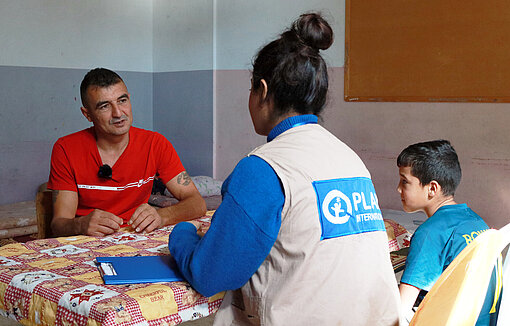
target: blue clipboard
<point>139,269</point>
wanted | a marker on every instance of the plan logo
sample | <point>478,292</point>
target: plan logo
<point>337,207</point>
<point>347,206</point>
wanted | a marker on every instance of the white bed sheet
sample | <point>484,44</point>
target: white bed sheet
<point>410,221</point>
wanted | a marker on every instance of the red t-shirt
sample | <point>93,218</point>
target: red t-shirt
<point>75,161</point>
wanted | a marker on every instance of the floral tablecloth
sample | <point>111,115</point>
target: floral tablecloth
<point>56,282</point>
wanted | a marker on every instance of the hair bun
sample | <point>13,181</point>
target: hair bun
<point>314,31</point>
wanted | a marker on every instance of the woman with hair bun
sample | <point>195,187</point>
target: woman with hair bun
<point>299,237</point>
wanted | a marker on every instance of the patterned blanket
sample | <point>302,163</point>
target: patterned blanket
<point>56,282</point>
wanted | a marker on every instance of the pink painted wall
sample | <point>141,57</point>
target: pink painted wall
<point>379,131</point>
<point>234,133</point>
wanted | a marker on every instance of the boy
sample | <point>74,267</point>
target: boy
<point>429,174</point>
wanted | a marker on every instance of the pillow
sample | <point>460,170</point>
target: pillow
<point>398,236</point>
<point>206,186</point>
<point>162,201</point>
<point>211,202</point>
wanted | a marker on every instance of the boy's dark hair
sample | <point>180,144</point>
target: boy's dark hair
<point>101,77</point>
<point>433,160</point>
<point>295,72</point>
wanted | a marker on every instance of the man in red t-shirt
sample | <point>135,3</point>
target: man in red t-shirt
<point>102,176</point>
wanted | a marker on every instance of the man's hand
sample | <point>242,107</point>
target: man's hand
<point>145,219</point>
<point>99,223</point>
<point>64,222</point>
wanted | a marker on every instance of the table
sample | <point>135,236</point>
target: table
<point>56,282</point>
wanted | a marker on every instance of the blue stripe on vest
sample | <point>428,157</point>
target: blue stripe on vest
<point>347,206</point>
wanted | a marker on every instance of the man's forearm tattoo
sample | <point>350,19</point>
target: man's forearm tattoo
<point>183,178</point>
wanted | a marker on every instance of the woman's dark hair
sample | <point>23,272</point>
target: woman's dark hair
<point>295,72</point>
<point>433,160</point>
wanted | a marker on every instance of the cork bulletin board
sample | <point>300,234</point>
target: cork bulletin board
<point>427,50</point>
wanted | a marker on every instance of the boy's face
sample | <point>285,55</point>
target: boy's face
<point>414,196</point>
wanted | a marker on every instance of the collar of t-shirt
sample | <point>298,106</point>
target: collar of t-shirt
<point>291,122</point>
<point>456,206</point>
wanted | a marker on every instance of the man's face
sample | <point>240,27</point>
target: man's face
<point>109,109</point>
<point>413,195</point>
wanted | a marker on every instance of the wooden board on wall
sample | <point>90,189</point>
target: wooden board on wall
<point>427,50</point>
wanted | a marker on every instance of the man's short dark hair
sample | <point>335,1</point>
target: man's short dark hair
<point>100,77</point>
<point>433,160</point>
